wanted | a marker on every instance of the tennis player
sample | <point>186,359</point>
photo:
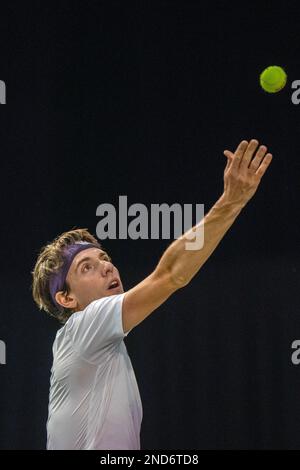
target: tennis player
<point>94,400</point>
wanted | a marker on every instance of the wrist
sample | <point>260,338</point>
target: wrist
<point>224,202</point>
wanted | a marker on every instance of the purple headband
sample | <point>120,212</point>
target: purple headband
<point>57,280</point>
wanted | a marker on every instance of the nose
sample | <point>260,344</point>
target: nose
<point>106,267</point>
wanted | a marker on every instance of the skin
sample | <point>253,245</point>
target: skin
<point>243,173</point>
<point>90,281</point>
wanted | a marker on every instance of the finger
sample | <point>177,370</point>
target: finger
<point>238,154</point>
<point>264,165</point>
<point>258,158</point>
<point>229,156</point>
<point>248,154</point>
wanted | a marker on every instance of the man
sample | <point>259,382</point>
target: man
<point>94,400</point>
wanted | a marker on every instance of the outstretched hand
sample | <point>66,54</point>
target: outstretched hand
<point>243,173</point>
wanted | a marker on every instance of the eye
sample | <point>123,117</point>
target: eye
<point>106,257</point>
<point>86,267</point>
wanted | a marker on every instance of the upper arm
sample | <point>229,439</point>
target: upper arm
<point>145,297</point>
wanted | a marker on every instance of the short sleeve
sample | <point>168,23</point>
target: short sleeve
<point>98,328</point>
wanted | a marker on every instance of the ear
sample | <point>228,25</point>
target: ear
<point>66,300</point>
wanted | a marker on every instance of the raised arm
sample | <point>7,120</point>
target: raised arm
<point>178,265</point>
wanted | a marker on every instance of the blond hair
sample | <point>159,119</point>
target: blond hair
<point>49,261</point>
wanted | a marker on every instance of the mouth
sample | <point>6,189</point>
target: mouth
<point>114,284</point>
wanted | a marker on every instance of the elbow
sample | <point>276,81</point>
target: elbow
<point>170,279</point>
<point>179,281</point>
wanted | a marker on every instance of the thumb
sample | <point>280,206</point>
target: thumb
<point>229,156</point>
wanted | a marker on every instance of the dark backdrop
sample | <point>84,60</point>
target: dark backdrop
<point>140,99</point>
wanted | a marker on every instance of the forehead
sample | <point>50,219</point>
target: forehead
<point>89,252</point>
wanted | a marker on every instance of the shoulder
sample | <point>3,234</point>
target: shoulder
<point>100,312</point>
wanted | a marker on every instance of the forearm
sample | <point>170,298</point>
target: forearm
<point>183,263</point>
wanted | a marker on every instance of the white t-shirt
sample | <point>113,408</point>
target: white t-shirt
<point>94,400</point>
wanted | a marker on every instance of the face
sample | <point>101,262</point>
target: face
<point>91,276</point>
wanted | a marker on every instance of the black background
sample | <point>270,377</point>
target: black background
<point>140,99</point>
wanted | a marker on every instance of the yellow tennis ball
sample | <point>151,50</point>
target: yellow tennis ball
<point>273,79</point>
